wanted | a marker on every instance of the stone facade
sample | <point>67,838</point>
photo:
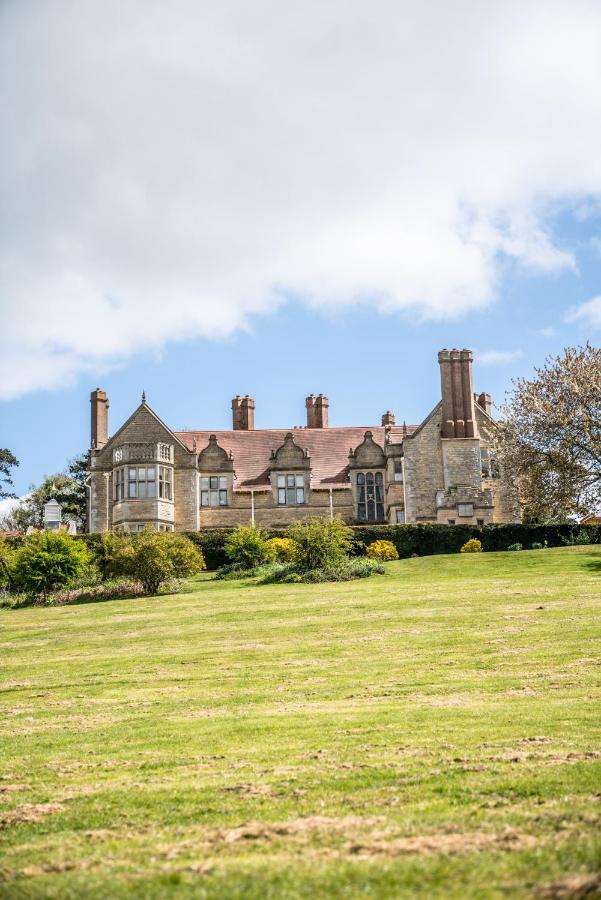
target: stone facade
<point>442,471</point>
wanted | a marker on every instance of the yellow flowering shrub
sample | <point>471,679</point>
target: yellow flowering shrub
<point>384,550</point>
<point>472,546</point>
<point>282,548</point>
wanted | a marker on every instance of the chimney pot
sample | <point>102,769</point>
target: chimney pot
<point>317,411</point>
<point>388,418</point>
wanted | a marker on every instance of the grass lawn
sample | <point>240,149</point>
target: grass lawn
<point>434,731</point>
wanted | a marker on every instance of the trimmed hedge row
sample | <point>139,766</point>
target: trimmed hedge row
<point>423,540</point>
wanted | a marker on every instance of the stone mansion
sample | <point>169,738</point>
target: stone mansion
<point>442,471</point>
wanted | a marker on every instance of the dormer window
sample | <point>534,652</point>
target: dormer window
<point>291,489</point>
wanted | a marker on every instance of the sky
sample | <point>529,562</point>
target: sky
<point>203,199</point>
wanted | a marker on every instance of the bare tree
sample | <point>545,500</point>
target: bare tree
<point>550,438</point>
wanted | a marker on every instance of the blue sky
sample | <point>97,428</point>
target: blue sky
<point>209,199</point>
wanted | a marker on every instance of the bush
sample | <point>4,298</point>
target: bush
<point>7,561</point>
<point>472,546</point>
<point>582,537</point>
<point>537,546</point>
<point>154,557</point>
<point>320,543</point>
<point>283,549</point>
<point>384,550</point>
<point>344,570</point>
<point>247,548</point>
<point>515,547</point>
<point>48,561</point>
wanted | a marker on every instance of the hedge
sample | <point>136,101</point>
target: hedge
<point>423,540</point>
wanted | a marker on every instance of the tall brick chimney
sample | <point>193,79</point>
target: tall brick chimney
<point>100,419</point>
<point>317,411</point>
<point>388,418</point>
<point>243,413</point>
<point>484,401</point>
<point>457,394</point>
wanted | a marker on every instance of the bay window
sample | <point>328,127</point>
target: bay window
<point>140,483</point>
<point>213,490</point>
<point>291,489</point>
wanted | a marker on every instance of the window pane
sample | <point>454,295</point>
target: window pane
<point>362,512</point>
<point>222,498</point>
<point>371,510</point>
<point>223,482</point>
<point>300,495</point>
<point>131,474</point>
<point>214,482</point>
<point>281,481</point>
<point>360,478</point>
<point>369,478</point>
<point>379,511</point>
<point>291,495</point>
<point>282,495</point>
<point>132,492</point>
<point>379,479</point>
<point>290,480</point>
<point>214,498</point>
<point>361,495</point>
<point>141,490</point>
<point>204,498</point>
<point>379,493</point>
<point>151,489</point>
<point>204,483</point>
<point>151,474</point>
<point>300,481</point>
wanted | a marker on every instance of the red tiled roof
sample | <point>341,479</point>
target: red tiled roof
<point>328,450</point>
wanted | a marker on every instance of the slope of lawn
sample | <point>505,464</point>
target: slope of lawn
<point>434,731</point>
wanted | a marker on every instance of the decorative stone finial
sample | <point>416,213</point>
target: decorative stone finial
<point>143,396</point>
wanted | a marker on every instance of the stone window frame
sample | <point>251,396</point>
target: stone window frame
<point>282,490</point>
<point>397,470</point>
<point>366,474</point>
<point>489,465</point>
<point>162,482</point>
<point>219,489</point>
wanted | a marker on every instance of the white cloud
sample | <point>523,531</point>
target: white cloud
<point>168,170</point>
<point>588,312</point>
<point>547,331</point>
<point>7,504</point>
<point>497,357</point>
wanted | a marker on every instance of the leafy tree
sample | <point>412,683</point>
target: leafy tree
<point>550,439</point>
<point>320,543</point>
<point>49,560</point>
<point>248,547</point>
<point>61,487</point>
<point>7,462</point>
<point>153,557</point>
<point>7,561</point>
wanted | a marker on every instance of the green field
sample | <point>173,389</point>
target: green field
<point>434,731</point>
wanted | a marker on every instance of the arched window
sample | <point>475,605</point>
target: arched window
<point>370,496</point>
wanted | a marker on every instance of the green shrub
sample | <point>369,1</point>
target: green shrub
<point>154,557</point>
<point>472,546</point>
<point>248,547</point>
<point>320,543</point>
<point>515,547</point>
<point>344,570</point>
<point>384,550</point>
<point>283,549</point>
<point>537,546</point>
<point>48,561</point>
<point>582,537</point>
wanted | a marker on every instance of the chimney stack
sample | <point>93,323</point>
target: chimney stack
<point>243,413</point>
<point>484,401</point>
<point>388,418</point>
<point>317,411</point>
<point>100,418</point>
<point>457,394</point>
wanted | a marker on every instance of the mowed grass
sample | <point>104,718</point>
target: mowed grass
<point>434,731</point>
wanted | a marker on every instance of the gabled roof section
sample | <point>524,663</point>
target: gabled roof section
<point>146,408</point>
